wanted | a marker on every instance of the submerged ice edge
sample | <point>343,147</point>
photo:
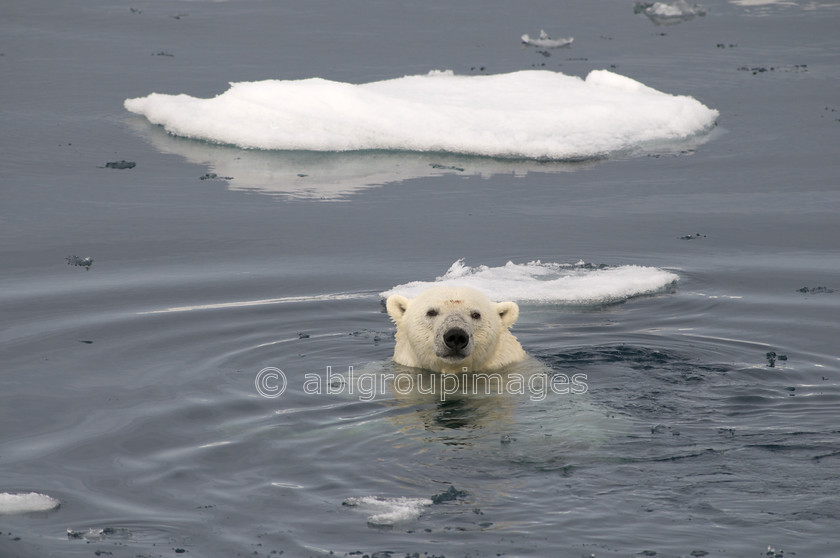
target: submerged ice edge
<point>529,114</point>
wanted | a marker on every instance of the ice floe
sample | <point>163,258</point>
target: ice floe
<point>388,511</point>
<point>532,114</point>
<point>26,502</point>
<point>551,283</point>
<point>661,13</point>
<point>544,41</point>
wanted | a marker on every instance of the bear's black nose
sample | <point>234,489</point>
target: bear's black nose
<point>456,338</point>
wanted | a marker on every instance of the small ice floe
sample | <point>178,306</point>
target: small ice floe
<point>27,502</point>
<point>661,13</point>
<point>389,511</point>
<point>94,534</point>
<point>579,284</point>
<point>544,41</point>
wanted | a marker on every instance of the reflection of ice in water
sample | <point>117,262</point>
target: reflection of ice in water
<point>332,176</point>
<point>544,41</point>
<point>328,176</point>
<point>661,13</point>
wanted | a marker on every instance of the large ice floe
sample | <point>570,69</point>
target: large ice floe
<point>551,283</point>
<point>533,114</point>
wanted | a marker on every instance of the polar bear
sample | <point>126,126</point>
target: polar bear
<point>453,329</point>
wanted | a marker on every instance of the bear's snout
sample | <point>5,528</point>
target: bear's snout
<point>456,339</point>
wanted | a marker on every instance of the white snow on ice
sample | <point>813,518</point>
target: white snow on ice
<point>550,283</point>
<point>26,502</point>
<point>389,511</point>
<point>533,114</point>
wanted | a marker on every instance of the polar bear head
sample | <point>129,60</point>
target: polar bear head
<point>453,329</point>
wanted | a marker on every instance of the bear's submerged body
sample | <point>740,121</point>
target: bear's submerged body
<point>454,329</point>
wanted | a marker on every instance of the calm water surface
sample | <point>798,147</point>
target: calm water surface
<point>129,388</point>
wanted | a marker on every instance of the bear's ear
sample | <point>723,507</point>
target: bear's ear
<point>396,306</point>
<point>508,312</point>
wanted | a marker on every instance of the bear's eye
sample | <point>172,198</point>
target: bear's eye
<point>475,315</point>
<point>431,313</point>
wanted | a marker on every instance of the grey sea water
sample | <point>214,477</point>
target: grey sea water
<point>710,425</point>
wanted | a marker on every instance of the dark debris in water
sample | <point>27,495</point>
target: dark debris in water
<point>445,167</point>
<point>451,494</point>
<point>815,290</point>
<point>830,110</point>
<point>772,357</point>
<point>121,165</point>
<point>214,176</point>
<point>755,70</point>
<point>692,236</point>
<point>80,262</point>
<point>376,336</point>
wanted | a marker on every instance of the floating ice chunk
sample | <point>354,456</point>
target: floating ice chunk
<point>551,283</point>
<point>532,114</point>
<point>26,502</point>
<point>661,13</point>
<point>389,510</point>
<point>544,41</point>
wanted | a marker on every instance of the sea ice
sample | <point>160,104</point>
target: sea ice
<point>532,114</point>
<point>389,510</point>
<point>544,41</point>
<point>26,502</point>
<point>551,283</point>
<point>661,13</point>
